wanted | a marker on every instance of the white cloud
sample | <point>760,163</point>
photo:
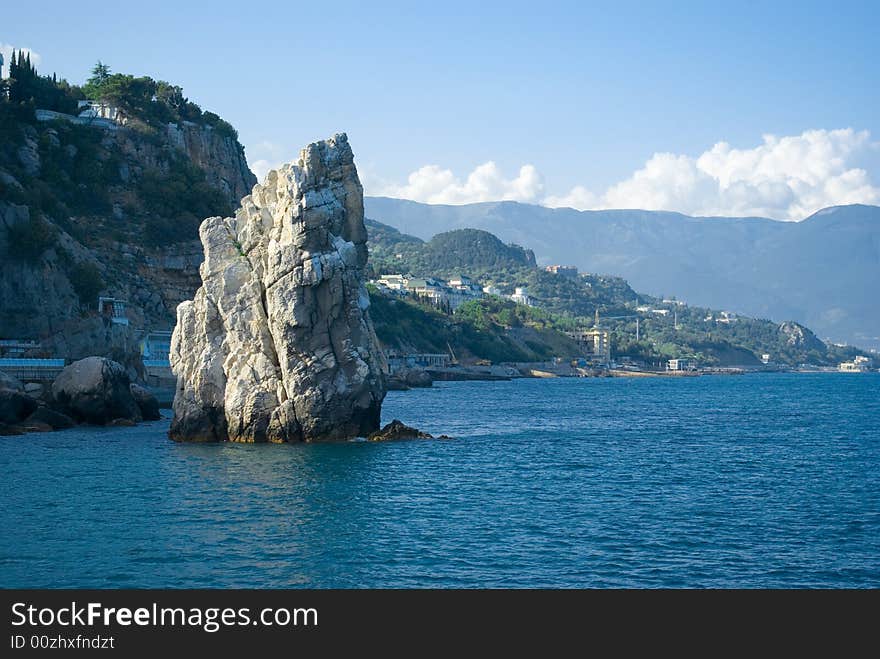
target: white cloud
<point>434,185</point>
<point>786,178</point>
<point>6,50</point>
<point>265,156</point>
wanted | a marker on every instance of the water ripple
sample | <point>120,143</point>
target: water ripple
<point>760,481</point>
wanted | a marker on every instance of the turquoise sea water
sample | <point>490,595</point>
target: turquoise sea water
<point>754,481</point>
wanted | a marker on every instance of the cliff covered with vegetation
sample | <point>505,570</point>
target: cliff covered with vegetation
<point>101,208</point>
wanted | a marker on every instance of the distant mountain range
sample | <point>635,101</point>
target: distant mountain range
<point>823,272</point>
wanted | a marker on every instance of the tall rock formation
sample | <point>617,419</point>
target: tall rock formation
<point>277,344</point>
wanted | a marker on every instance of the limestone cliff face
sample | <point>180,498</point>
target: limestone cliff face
<point>277,344</point>
<point>93,200</point>
<point>220,156</point>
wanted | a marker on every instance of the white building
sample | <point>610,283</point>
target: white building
<point>564,270</point>
<point>492,290</point>
<point>432,289</point>
<point>101,110</point>
<point>858,365</point>
<point>392,282</point>
<point>679,365</point>
<point>521,296</point>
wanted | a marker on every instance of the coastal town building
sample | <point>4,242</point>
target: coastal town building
<point>521,296</point>
<point>859,364</point>
<point>391,282</point>
<point>453,293</point>
<point>492,290</point>
<point>398,360</point>
<point>680,365</point>
<point>594,343</point>
<point>563,270</point>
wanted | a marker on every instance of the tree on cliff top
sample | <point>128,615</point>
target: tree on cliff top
<point>151,101</point>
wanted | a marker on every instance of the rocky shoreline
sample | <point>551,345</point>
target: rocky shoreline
<point>92,391</point>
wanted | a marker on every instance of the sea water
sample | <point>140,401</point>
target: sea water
<point>753,481</point>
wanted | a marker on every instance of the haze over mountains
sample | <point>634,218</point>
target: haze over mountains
<point>823,271</point>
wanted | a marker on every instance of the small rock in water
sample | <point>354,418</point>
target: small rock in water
<point>95,390</point>
<point>35,426</point>
<point>55,420</point>
<point>398,430</point>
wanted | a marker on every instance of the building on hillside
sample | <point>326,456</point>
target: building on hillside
<point>101,110</point>
<point>465,283</point>
<point>112,311</point>
<point>521,296</point>
<point>462,289</point>
<point>393,282</point>
<point>765,358</point>
<point>96,114</point>
<point>492,290</point>
<point>564,270</point>
<point>433,290</point>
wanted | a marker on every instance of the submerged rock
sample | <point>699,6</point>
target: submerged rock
<point>95,390</point>
<point>55,420</point>
<point>35,426</point>
<point>277,344</point>
<point>398,430</point>
<point>406,378</point>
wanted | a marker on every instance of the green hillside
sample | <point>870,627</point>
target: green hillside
<point>666,329</point>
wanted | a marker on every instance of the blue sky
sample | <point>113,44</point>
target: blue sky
<point>583,94</point>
